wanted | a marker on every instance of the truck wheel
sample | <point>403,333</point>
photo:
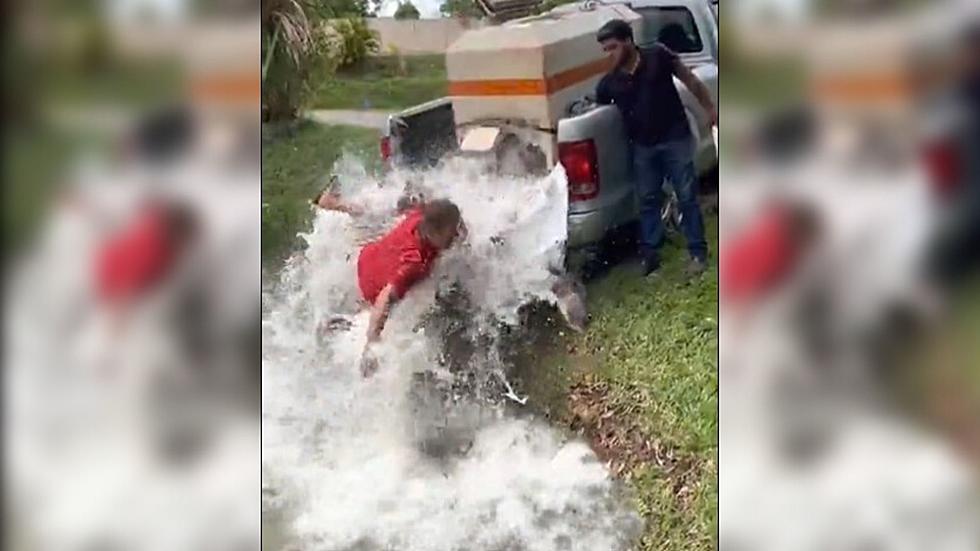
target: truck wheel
<point>670,215</point>
<point>709,182</point>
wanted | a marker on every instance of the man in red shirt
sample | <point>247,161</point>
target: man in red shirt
<point>764,255</point>
<point>388,267</point>
<point>133,262</point>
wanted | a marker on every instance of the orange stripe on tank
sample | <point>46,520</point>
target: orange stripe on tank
<point>863,88</point>
<point>227,88</point>
<point>530,87</point>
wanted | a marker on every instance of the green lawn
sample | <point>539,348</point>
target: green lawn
<point>122,84</point>
<point>641,385</point>
<point>38,161</point>
<point>762,84</point>
<point>296,166</point>
<point>383,83</point>
<point>654,344</point>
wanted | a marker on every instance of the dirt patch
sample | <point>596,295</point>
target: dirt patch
<point>622,444</point>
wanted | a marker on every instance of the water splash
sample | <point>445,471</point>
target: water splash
<point>96,416</point>
<point>410,459</point>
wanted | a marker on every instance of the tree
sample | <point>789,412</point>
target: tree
<point>303,43</point>
<point>294,56</point>
<point>407,10</point>
<point>339,9</point>
<point>355,40</point>
<point>461,8</point>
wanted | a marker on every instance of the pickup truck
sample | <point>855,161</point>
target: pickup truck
<point>601,196</point>
<point>950,141</point>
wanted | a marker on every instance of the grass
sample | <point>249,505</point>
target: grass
<point>294,167</point>
<point>121,84</point>
<point>656,341</point>
<point>654,345</point>
<point>382,83</point>
<point>940,377</point>
<point>38,161</point>
<point>762,84</point>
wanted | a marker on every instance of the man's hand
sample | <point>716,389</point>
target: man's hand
<point>327,201</point>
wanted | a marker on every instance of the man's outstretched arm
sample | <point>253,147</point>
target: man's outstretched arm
<point>694,84</point>
<point>379,313</point>
<point>376,324</point>
<point>331,201</point>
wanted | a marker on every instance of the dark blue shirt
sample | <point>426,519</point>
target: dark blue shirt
<point>648,100</point>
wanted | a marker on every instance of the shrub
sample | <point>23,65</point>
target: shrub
<point>356,40</point>
<point>461,9</point>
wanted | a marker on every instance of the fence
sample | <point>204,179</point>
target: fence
<point>422,36</point>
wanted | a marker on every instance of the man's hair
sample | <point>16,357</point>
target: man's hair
<point>164,134</point>
<point>616,28</point>
<point>438,216</point>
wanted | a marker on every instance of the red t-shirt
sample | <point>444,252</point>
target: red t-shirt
<point>134,260</point>
<point>759,259</point>
<point>400,258</point>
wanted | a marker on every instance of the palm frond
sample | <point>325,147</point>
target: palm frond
<point>288,20</point>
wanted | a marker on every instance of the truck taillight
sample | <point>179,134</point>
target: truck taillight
<point>385,148</point>
<point>943,165</point>
<point>582,168</point>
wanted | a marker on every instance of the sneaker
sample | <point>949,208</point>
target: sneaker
<point>650,265</point>
<point>695,267</point>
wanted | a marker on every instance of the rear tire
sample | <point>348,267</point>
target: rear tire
<point>709,182</point>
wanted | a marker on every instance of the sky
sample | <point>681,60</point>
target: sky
<point>791,9</point>
<point>172,9</point>
<point>165,9</point>
<point>428,8</point>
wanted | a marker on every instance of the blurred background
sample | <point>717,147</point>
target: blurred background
<point>850,303</point>
<point>132,233</point>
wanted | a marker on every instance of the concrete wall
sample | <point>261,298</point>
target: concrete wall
<point>208,46</point>
<point>423,36</point>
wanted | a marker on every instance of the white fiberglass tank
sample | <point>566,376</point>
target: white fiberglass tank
<point>530,70</point>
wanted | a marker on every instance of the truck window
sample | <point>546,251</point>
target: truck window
<point>673,26</point>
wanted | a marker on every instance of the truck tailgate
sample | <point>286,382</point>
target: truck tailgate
<point>423,134</point>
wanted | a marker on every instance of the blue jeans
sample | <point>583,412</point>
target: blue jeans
<point>674,161</point>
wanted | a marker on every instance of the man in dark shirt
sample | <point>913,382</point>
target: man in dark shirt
<point>641,85</point>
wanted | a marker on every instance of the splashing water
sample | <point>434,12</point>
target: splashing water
<point>390,462</point>
<point>91,411</point>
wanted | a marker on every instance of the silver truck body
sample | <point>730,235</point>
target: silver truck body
<point>425,133</point>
